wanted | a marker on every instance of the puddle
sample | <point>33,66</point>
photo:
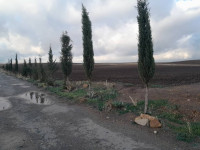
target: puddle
<point>18,84</point>
<point>37,98</point>
<point>4,104</point>
<point>25,86</point>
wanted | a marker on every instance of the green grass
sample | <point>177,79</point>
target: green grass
<point>153,106</point>
<point>103,95</point>
<point>176,118</point>
<point>182,132</point>
<point>71,95</point>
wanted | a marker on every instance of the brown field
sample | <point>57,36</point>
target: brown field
<point>166,74</point>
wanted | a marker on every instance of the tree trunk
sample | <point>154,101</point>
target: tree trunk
<point>146,99</point>
<point>90,92</point>
<point>67,81</point>
<point>64,84</point>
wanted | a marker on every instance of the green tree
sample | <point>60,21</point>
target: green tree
<point>66,57</point>
<point>11,66</point>
<point>146,64</point>
<point>42,73</point>
<point>16,64</point>
<point>25,69</point>
<point>35,70</point>
<point>52,68</point>
<point>88,54</point>
<point>30,68</point>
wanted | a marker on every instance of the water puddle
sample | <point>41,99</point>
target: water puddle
<point>25,86</point>
<point>4,104</point>
<point>37,98</point>
<point>18,84</point>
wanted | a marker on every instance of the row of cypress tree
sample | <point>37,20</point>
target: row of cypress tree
<point>146,64</point>
<point>37,72</point>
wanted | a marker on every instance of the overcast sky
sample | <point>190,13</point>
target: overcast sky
<point>28,27</point>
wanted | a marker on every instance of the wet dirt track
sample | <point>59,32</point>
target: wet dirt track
<point>56,125</point>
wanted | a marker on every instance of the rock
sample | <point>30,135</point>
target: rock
<point>142,122</point>
<point>155,132</point>
<point>155,123</point>
<point>145,116</point>
<point>85,86</point>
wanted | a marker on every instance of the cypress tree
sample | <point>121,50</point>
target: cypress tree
<point>25,69</point>
<point>88,54</point>
<point>30,69</point>
<point>66,56</point>
<point>146,64</point>
<point>35,70</point>
<point>42,72</point>
<point>16,64</point>
<point>11,66</point>
<point>52,67</point>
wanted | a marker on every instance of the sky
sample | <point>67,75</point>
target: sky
<point>29,27</point>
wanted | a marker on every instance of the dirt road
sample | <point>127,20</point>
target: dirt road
<point>52,124</point>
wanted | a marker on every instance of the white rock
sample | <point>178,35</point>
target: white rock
<point>142,122</point>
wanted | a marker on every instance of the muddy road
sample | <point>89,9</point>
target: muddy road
<point>32,119</point>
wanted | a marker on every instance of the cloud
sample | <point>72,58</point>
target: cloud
<point>29,27</point>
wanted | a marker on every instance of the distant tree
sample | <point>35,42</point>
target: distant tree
<point>146,64</point>
<point>30,68</point>
<point>42,73</point>
<point>35,70</point>
<point>52,67</point>
<point>88,54</point>
<point>25,69</point>
<point>16,64</point>
<point>11,66</point>
<point>66,57</point>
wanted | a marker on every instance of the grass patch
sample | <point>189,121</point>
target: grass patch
<point>71,95</point>
<point>103,96</point>
<point>176,118</point>
<point>183,132</point>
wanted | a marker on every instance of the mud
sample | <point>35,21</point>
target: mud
<point>4,104</point>
<point>36,98</point>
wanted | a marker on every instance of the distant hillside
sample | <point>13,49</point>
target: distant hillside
<point>193,62</point>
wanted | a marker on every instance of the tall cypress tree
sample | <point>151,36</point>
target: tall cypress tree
<point>42,72</point>
<point>66,56</point>
<point>30,68</point>
<point>52,67</point>
<point>25,69</point>
<point>35,70</point>
<point>11,66</point>
<point>146,64</point>
<point>88,54</point>
<point>16,64</point>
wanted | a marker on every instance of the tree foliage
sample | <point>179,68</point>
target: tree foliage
<point>52,67</point>
<point>88,54</point>
<point>16,64</point>
<point>30,68</point>
<point>42,74</point>
<point>146,64</point>
<point>66,56</point>
<point>25,69</point>
<point>35,70</point>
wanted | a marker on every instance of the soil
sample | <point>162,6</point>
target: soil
<point>61,126</point>
<point>165,75</point>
